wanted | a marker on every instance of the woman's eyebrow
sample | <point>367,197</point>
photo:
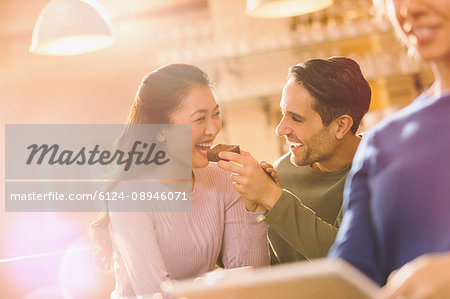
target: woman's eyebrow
<point>204,110</point>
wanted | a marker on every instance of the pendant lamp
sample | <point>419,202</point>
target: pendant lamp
<point>70,27</point>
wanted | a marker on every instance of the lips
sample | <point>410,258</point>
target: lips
<point>293,145</point>
<point>203,147</point>
<point>422,33</point>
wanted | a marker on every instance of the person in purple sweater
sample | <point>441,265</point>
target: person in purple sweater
<point>397,195</point>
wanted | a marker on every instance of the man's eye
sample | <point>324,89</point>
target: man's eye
<point>297,119</point>
<point>201,118</point>
<point>217,113</point>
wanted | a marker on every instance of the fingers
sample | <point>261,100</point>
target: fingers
<point>238,179</point>
<point>265,164</point>
<point>268,168</point>
<point>238,158</point>
<point>231,167</point>
<point>391,293</point>
<point>239,189</point>
<point>246,154</point>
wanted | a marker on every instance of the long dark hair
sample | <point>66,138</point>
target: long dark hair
<point>160,94</point>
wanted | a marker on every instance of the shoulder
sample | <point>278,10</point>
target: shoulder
<point>420,109</point>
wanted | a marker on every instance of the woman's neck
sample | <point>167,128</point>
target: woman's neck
<point>441,71</point>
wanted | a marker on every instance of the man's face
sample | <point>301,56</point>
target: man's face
<point>308,139</point>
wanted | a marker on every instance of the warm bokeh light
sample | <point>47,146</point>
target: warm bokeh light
<point>73,45</point>
<point>45,232</point>
<point>48,293</point>
<point>78,273</point>
<point>34,245</point>
<point>284,8</point>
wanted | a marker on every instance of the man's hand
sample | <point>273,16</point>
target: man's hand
<point>250,180</point>
<point>426,277</point>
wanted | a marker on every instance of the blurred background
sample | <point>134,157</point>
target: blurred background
<point>46,255</point>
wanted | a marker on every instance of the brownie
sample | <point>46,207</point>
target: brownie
<point>213,153</point>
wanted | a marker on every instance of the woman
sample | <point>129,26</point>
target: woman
<point>150,248</point>
<point>398,191</point>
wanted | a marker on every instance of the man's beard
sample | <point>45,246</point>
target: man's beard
<point>318,149</point>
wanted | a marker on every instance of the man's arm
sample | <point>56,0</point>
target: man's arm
<point>300,227</point>
<point>297,224</point>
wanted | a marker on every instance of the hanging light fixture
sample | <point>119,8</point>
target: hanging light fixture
<point>70,27</point>
<point>284,8</point>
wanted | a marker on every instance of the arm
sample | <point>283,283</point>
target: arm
<point>300,227</point>
<point>134,237</point>
<point>356,239</point>
<point>245,239</point>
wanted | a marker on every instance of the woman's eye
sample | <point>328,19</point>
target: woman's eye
<point>201,118</point>
<point>217,113</point>
<point>296,119</point>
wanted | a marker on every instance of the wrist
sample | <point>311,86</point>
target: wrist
<point>272,197</point>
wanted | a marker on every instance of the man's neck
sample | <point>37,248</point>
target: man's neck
<point>342,157</point>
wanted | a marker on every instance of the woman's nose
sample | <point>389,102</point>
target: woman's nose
<point>411,8</point>
<point>212,127</point>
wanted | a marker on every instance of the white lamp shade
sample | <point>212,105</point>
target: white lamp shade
<point>284,8</point>
<point>69,27</point>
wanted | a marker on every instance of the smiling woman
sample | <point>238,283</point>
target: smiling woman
<point>201,110</point>
<point>397,192</point>
<point>153,247</point>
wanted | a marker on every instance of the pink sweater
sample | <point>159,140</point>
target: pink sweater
<point>154,247</point>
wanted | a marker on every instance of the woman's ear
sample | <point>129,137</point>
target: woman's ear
<point>343,124</point>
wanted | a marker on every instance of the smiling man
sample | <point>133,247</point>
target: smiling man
<point>322,105</point>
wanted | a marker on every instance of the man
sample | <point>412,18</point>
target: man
<point>322,105</point>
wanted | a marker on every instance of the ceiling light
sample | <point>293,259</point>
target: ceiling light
<point>70,27</point>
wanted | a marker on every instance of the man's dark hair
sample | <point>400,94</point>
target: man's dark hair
<point>338,87</point>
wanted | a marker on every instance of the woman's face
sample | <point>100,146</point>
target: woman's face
<point>200,109</point>
<point>425,25</point>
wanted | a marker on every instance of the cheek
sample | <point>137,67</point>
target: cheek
<point>219,124</point>
<point>197,133</point>
<point>300,132</point>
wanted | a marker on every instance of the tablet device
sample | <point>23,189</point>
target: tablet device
<point>324,278</point>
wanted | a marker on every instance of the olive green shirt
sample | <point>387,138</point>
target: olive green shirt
<point>304,222</point>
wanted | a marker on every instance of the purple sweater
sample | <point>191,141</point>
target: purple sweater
<point>397,195</point>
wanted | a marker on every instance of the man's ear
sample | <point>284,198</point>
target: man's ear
<point>343,124</point>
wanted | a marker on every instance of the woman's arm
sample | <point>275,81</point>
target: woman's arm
<point>245,239</point>
<point>134,236</point>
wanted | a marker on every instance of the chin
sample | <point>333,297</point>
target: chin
<point>200,164</point>
<point>297,161</point>
<point>432,51</point>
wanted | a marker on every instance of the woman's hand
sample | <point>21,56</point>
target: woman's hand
<point>268,168</point>
<point>426,277</point>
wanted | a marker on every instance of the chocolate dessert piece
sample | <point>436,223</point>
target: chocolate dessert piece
<point>213,153</point>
